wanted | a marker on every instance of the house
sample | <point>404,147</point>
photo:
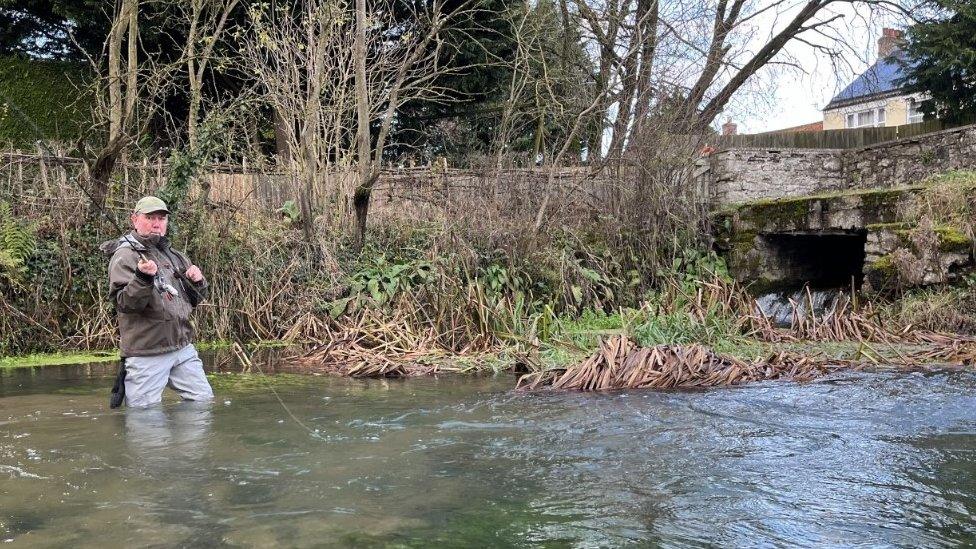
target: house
<point>875,98</point>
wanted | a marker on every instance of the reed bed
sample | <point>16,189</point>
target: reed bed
<point>620,363</point>
<point>377,346</point>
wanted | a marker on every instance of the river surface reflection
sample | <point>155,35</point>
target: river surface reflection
<point>856,460</point>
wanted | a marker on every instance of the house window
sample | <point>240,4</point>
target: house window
<point>867,118</point>
<point>914,114</point>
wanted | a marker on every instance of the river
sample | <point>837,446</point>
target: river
<point>861,459</point>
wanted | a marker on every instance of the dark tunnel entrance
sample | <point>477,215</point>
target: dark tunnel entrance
<point>820,259</point>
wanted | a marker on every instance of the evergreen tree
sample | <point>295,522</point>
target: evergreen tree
<point>940,60</point>
<point>44,28</point>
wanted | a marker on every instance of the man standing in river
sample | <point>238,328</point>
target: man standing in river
<point>155,288</point>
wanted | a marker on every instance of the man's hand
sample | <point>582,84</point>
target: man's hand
<point>147,266</point>
<point>194,274</point>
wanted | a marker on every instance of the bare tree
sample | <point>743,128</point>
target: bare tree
<point>336,75</point>
<point>706,51</point>
<point>126,98</point>
<point>121,96</point>
<point>207,22</point>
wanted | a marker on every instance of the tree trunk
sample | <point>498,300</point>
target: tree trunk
<point>101,172</point>
<point>361,206</point>
<point>642,101</point>
<point>361,195</point>
<point>283,133</point>
<point>132,71</point>
<point>191,74</point>
<point>119,27</point>
<point>120,110</point>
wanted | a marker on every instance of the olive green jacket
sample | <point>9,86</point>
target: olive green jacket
<point>152,321</point>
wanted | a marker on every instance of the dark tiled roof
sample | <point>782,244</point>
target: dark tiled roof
<point>880,78</point>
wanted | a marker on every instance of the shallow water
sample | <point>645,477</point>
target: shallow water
<point>859,460</point>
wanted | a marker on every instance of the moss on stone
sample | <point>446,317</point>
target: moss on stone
<point>880,206</point>
<point>884,265</point>
<point>952,239</point>
<point>740,261</point>
<point>896,226</point>
<point>763,285</point>
<point>775,214</point>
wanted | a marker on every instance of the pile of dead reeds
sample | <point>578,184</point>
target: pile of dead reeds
<point>372,345</point>
<point>940,347</point>
<point>622,364</point>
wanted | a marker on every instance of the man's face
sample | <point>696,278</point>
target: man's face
<point>153,223</point>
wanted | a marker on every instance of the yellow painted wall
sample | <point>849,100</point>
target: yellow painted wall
<point>833,120</point>
<point>896,111</point>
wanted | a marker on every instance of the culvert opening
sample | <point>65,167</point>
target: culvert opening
<point>820,260</point>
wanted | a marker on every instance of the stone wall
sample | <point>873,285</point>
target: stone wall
<point>745,174</point>
<point>908,161</point>
<point>741,175</point>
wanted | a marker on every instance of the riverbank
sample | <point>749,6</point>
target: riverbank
<point>479,286</point>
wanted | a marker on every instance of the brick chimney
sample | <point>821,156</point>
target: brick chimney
<point>890,41</point>
<point>730,128</point>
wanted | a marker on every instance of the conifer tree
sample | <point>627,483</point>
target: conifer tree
<point>940,60</point>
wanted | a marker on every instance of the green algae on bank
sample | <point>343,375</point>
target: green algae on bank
<point>227,344</point>
<point>57,359</point>
<point>84,357</point>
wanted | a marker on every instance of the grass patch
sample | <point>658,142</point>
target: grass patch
<point>221,344</point>
<point>948,308</point>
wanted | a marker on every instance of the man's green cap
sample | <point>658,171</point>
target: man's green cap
<point>150,204</point>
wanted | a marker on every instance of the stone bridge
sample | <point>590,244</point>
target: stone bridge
<point>879,217</point>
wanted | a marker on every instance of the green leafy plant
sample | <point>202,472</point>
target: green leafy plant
<point>185,164</point>
<point>380,281</point>
<point>17,243</point>
<point>291,212</point>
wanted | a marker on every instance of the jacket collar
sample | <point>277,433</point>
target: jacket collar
<point>142,243</point>
<point>136,242</point>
